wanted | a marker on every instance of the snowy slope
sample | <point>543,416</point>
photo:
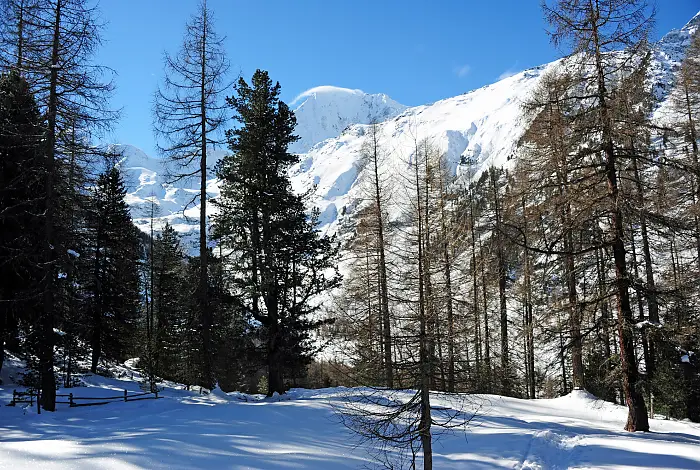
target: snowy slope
<point>147,180</point>
<point>484,124</point>
<point>303,430</point>
<point>323,112</point>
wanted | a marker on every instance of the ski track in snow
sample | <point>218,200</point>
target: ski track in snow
<point>301,430</point>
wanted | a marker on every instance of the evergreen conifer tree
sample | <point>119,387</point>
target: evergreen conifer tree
<point>114,286</point>
<point>279,262</point>
<point>189,117</point>
<point>168,279</point>
<point>21,176</point>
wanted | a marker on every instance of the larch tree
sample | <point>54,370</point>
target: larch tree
<point>685,100</point>
<point>21,180</point>
<point>595,30</point>
<point>371,162</point>
<point>359,305</point>
<point>53,43</point>
<point>188,119</point>
<point>16,29</point>
<point>552,177</point>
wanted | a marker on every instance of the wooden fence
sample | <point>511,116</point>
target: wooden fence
<point>73,401</point>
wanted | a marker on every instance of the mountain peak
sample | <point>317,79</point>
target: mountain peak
<point>324,111</point>
<point>675,42</point>
<point>326,91</point>
<point>693,23</point>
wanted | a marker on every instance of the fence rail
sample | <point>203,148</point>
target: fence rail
<point>31,396</point>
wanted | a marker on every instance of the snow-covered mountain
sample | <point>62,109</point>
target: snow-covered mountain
<point>147,180</point>
<point>323,112</point>
<point>484,124</point>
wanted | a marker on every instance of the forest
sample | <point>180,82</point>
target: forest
<point>576,266</point>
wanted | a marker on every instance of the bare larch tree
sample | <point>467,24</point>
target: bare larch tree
<point>188,119</point>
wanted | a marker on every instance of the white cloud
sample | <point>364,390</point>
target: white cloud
<point>512,70</point>
<point>508,73</point>
<point>325,89</point>
<point>462,70</point>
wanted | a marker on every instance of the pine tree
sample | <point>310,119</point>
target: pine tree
<point>279,262</point>
<point>115,283</point>
<point>166,278</point>
<point>52,42</point>
<point>21,181</point>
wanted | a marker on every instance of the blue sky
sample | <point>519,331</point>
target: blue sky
<point>416,51</point>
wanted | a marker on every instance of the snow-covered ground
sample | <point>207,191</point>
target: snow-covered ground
<point>303,430</point>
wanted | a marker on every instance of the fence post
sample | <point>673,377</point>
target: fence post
<point>38,402</point>
<point>156,394</point>
<point>70,400</point>
<point>125,396</point>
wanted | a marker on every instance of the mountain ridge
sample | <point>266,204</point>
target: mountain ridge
<point>483,124</point>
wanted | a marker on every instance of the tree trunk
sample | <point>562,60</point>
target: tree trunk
<point>562,356</point>
<point>275,380</point>
<point>96,338</point>
<point>48,379</point>
<point>447,268</point>
<point>487,336</point>
<point>450,321</point>
<point>2,344</point>
<point>383,284</point>
<point>425,356</point>
<point>475,289</point>
<point>429,297</point>
<point>652,302</point>
<point>637,419</point>
<point>529,323</point>
<point>693,138</point>
<point>502,279</point>
<point>574,317</point>
<point>604,311</point>
<point>203,289</point>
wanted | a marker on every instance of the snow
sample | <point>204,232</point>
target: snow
<point>646,324</point>
<point>324,111</point>
<point>302,430</point>
<point>484,125</point>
